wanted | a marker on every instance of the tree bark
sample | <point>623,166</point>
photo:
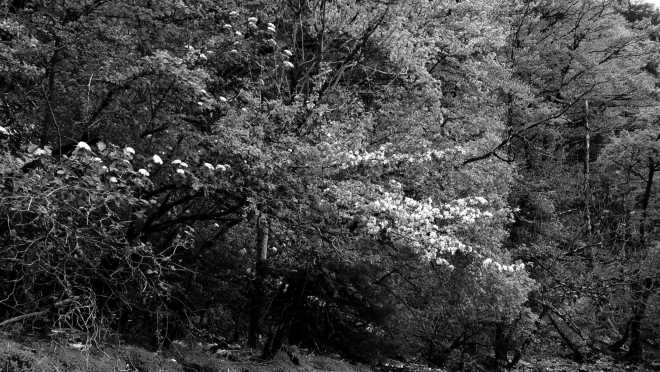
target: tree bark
<point>641,288</point>
<point>257,297</point>
<point>641,294</point>
<point>623,340</point>
<point>587,175</point>
<point>48,119</point>
<point>577,354</point>
<point>501,346</point>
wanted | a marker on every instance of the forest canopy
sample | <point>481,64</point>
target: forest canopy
<point>457,183</point>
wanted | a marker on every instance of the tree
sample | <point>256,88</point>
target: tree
<point>585,66</point>
<point>339,134</point>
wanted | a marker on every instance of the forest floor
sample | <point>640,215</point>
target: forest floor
<point>34,355</point>
<point>562,365</point>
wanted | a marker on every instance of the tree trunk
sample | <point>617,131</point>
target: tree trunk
<point>587,173</point>
<point>577,354</point>
<point>48,119</point>
<point>501,346</point>
<point>623,340</point>
<point>277,339</point>
<point>257,297</point>
<point>641,293</point>
<point>641,288</point>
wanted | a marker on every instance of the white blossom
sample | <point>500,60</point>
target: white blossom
<point>222,99</point>
<point>481,200</point>
<point>157,160</point>
<point>40,152</point>
<point>441,261</point>
<point>143,172</point>
<point>209,166</point>
<point>113,179</point>
<point>129,150</point>
<point>287,64</point>
<point>83,146</point>
<point>253,19</point>
<point>345,159</point>
<point>180,171</point>
<point>77,346</point>
<point>4,130</point>
<point>287,52</point>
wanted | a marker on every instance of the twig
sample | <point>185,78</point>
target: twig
<point>22,317</point>
<point>33,314</point>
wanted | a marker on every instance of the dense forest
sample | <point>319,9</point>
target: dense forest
<point>466,185</point>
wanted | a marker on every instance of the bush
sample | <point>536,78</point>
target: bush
<point>66,257</point>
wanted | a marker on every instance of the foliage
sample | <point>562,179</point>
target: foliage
<point>352,176</point>
<point>581,217</point>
